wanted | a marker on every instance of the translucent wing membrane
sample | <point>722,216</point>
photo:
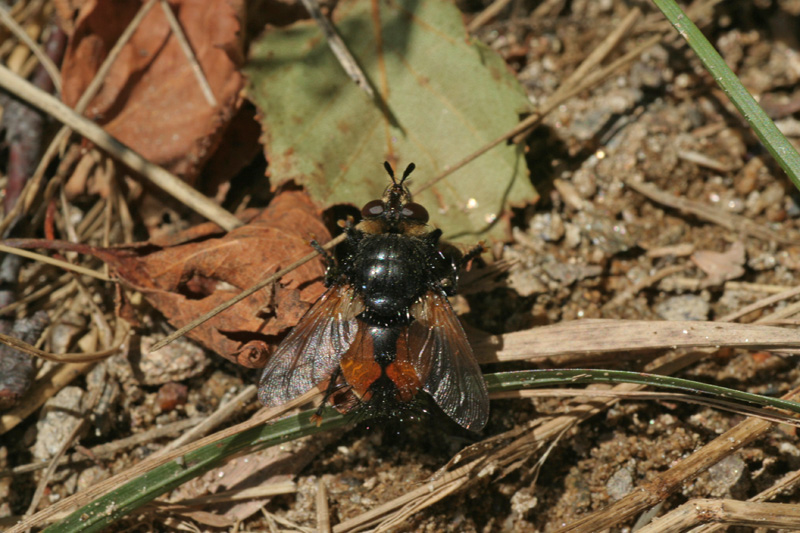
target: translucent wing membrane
<point>311,352</point>
<point>445,362</point>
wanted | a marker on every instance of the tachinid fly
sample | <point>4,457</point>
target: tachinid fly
<point>384,329</point>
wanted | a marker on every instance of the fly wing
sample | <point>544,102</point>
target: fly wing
<point>311,352</point>
<point>445,362</point>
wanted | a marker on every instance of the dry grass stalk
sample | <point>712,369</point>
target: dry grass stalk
<point>19,32</point>
<point>652,492</point>
<point>323,510</point>
<point>726,513</point>
<point>787,482</point>
<point>583,337</point>
<point>103,451</point>
<point>496,456</point>
<point>83,498</point>
<point>709,213</point>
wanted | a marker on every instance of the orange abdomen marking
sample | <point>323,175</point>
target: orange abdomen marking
<point>359,368</point>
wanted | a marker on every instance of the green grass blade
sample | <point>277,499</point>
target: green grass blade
<point>104,511</point>
<point>775,142</point>
<point>531,379</point>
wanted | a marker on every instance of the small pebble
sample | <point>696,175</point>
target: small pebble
<point>57,420</point>
<point>620,484</point>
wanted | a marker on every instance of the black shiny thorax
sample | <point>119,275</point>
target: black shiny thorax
<point>391,271</point>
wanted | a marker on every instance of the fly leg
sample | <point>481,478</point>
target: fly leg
<point>326,255</point>
<point>476,250</point>
<point>333,385</point>
<point>331,268</point>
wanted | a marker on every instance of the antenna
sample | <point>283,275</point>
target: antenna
<point>390,171</point>
<point>409,169</point>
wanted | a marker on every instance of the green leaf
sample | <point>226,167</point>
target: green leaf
<point>441,97</point>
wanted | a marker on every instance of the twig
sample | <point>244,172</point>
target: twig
<point>788,481</point>
<point>22,35</point>
<point>190,55</point>
<point>157,175</point>
<point>754,287</point>
<point>242,295</point>
<point>339,48</point>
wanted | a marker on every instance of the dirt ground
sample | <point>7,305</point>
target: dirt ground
<point>594,246</point>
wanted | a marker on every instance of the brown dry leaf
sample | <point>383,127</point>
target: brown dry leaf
<point>185,280</point>
<point>151,99</point>
<point>188,280</point>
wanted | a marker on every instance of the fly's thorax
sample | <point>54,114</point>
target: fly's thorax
<point>390,272</point>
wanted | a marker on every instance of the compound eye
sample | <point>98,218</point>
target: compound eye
<point>372,209</point>
<point>415,212</point>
